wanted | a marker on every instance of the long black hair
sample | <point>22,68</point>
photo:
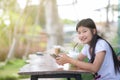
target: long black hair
<point>89,23</point>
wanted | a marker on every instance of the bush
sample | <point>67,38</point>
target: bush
<point>3,53</point>
<point>10,70</point>
<point>9,77</point>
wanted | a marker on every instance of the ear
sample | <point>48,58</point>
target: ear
<point>94,31</point>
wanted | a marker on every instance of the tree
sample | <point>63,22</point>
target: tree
<point>119,25</point>
<point>15,37</point>
<point>53,26</point>
<point>107,11</point>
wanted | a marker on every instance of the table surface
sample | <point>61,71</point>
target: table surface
<point>45,64</point>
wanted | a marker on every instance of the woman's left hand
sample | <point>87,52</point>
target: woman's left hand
<point>62,59</point>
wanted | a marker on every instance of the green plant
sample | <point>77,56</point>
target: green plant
<point>87,76</point>
<point>10,70</point>
<point>9,77</point>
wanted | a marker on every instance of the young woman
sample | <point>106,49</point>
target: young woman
<point>103,61</point>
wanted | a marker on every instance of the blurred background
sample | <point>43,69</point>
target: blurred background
<point>30,26</point>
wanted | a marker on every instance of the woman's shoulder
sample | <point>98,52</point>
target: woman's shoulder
<point>102,42</point>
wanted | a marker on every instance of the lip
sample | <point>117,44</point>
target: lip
<point>83,39</point>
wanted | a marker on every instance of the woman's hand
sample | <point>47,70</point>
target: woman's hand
<point>63,59</point>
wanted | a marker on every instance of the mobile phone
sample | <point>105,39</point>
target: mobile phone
<point>54,55</point>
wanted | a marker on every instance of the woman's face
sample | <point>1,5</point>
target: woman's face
<point>85,34</point>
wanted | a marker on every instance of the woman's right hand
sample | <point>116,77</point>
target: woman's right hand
<point>63,59</point>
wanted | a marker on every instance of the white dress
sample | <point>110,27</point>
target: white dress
<point>107,69</point>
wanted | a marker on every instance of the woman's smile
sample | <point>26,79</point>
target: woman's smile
<point>85,35</point>
<point>83,39</point>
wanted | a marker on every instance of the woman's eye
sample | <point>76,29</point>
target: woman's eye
<point>84,31</point>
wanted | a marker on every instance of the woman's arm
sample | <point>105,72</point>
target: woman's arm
<point>81,57</point>
<point>92,67</point>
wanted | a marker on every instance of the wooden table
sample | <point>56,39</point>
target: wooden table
<point>49,69</point>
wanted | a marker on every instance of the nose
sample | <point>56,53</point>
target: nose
<point>80,36</point>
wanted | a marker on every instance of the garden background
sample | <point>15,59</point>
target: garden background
<point>30,26</point>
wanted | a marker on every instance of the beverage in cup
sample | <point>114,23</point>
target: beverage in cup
<point>57,50</point>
